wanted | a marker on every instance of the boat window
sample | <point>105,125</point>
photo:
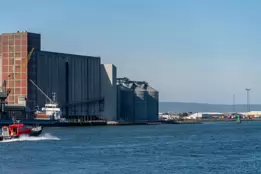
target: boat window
<point>23,128</point>
<point>15,130</point>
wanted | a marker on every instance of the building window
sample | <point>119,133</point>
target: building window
<point>11,49</point>
<point>17,69</point>
<point>11,42</point>
<point>11,98</point>
<point>5,49</point>
<point>24,42</point>
<point>18,54</point>
<point>17,90</point>
<point>17,36</point>
<point>17,48</point>
<point>17,82</point>
<point>17,75</point>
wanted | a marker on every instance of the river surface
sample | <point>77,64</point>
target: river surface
<point>204,148</point>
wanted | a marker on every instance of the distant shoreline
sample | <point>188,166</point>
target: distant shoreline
<point>181,107</point>
<point>200,121</point>
<point>227,120</point>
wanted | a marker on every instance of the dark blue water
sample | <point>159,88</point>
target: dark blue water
<point>206,148</point>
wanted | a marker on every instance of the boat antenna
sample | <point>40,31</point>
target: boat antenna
<point>13,117</point>
<point>54,97</point>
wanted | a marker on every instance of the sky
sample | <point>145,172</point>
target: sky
<point>190,51</point>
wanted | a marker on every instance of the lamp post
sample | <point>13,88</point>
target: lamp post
<point>234,101</point>
<point>248,107</point>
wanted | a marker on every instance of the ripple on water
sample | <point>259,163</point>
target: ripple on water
<point>206,148</point>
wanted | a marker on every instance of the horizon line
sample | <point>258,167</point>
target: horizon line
<point>205,103</point>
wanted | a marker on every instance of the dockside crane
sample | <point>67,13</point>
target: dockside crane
<point>24,64</point>
<point>4,93</point>
<point>3,96</point>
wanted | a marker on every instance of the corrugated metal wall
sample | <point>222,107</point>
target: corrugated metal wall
<point>83,81</point>
<point>125,101</point>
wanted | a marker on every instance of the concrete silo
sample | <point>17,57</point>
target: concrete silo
<point>141,96</point>
<point>125,100</point>
<point>153,104</point>
<point>137,101</point>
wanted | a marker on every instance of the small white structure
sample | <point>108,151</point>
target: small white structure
<point>194,116</point>
<point>168,117</point>
<point>243,113</point>
<point>201,115</point>
<point>256,114</point>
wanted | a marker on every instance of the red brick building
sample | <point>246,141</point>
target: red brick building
<point>14,49</point>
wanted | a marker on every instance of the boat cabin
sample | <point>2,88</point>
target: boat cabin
<point>15,130</point>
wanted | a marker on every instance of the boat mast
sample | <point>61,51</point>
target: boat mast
<point>54,97</point>
<point>13,117</point>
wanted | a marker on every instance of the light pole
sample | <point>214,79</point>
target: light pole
<point>248,107</point>
<point>234,101</point>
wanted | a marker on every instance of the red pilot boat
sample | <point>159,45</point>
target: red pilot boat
<point>16,130</point>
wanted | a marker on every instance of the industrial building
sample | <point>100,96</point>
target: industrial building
<point>75,79</point>
<point>85,88</point>
<point>14,49</point>
<point>136,101</point>
<point>109,91</point>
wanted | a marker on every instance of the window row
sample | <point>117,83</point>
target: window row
<point>12,61</point>
<point>14,76</point>
<point>14,48</point>
<point>12,55</point>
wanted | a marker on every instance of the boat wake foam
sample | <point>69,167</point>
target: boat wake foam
<point>45,136</point>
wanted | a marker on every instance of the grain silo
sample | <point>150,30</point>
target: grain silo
<point>137,101</point>
<point>153,104</point>
<point>125,100</point>
<point>140,103</point>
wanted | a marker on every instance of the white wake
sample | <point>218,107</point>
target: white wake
<point>45,136</point>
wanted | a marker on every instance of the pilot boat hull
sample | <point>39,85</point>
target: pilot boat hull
<point>7,133</point>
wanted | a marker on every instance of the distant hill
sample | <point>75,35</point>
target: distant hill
<point>179,107</point>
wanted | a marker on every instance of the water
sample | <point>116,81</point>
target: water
<point>206,148</point>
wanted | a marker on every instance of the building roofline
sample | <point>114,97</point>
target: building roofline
<point>69,54</point>
<point>20,32</point>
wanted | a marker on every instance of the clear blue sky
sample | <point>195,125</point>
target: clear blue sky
<point>191,51</point>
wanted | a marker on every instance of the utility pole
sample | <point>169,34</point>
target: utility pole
<point>234,101</point>
<point>248,106</point>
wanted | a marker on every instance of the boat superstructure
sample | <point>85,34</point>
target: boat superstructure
<point>16,130</point>
<point>51,110</point>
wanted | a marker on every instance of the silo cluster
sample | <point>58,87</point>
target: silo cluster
<point>137,101</point>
